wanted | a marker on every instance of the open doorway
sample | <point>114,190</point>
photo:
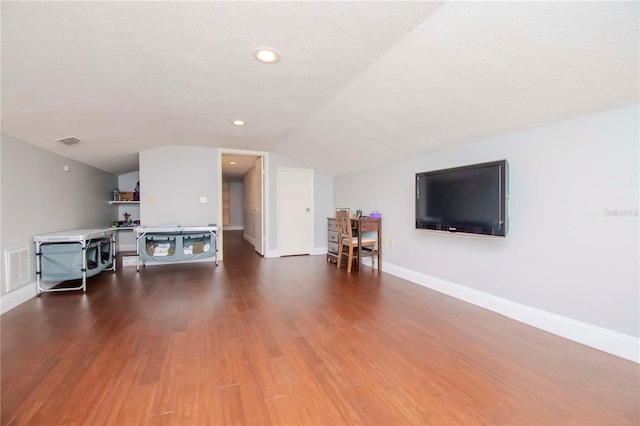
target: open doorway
<point>242,196</point>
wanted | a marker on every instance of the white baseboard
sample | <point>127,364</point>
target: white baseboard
<point>233,228</point>
<point>622,345</point>
<point>249,238</point>
<point>17,297</point>
<point>315,251</point>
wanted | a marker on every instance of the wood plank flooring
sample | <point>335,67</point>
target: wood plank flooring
<point>292,341</point>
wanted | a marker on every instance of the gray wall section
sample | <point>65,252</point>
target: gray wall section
<point>236,203</point>
<point>172,180</point>
<point>39,197</point>
<point>323,208</point>
<point>567,252</point>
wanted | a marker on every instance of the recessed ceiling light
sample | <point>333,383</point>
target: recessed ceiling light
<point>238,123</point>
<point>266,55</point>
<point>233,163</point>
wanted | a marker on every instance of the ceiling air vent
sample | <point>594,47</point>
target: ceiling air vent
<point>69,141</point>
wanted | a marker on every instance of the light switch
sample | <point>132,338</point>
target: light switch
<point>203,200</point>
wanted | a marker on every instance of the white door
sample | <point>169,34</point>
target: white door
<point>258,216</point>
<point>295,211</point>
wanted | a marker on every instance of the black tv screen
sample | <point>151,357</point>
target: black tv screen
<point>471,199</point>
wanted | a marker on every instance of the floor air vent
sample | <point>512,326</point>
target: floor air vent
<point>18,268</point>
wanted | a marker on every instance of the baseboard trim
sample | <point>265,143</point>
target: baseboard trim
<point>249,238</point>
<point>615,343</point>
<point>17,297</point>
<point>233,228</point>
<point>316,251</point>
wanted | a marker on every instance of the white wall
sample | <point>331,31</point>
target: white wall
<point>39,197</point>
<point>323,208</point>
<point>172,180</point>
<point>236,203</point>
<point>564,254</point>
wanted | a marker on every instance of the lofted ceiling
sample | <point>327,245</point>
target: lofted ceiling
<point>359,84</point>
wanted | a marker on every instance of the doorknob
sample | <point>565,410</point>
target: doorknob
<point>307,209</point>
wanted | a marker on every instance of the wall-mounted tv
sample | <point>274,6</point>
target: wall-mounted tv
<point>471,199</point>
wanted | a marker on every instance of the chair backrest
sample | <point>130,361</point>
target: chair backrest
<point>344,225</point>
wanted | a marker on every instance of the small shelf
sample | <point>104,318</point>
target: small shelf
<point>123,202</point>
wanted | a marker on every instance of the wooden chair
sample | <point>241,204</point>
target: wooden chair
<point>348,240</point>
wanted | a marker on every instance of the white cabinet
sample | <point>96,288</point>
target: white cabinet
<point>332,240</point>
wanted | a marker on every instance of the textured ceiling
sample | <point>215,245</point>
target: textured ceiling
<point>373,81</point>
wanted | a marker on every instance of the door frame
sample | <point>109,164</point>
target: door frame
<point>311,206</point>
<point>263,243</point>
<point>265,195</point>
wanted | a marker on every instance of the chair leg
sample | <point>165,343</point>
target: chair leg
<point>377,258</point>
<point>350,258</point>
<point>373,258</point>
<point>339,255</point>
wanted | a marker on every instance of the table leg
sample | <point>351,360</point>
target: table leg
<point>38,266</point>
<point>359,247</point>
<point>83,245</point>
<point>379,255</point>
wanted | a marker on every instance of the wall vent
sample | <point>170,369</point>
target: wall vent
<point>18,268</point>
<point>69,141</point>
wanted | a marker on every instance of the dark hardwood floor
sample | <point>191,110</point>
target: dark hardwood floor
<point>292,341</point>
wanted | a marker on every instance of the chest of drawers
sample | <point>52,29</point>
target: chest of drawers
<point>332,240</point>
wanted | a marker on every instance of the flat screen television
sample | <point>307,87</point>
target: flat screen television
<point>470,199</point>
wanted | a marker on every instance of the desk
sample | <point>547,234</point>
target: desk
<point>366,224</point>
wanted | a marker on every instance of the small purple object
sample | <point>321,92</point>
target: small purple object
<point>375,215</point>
